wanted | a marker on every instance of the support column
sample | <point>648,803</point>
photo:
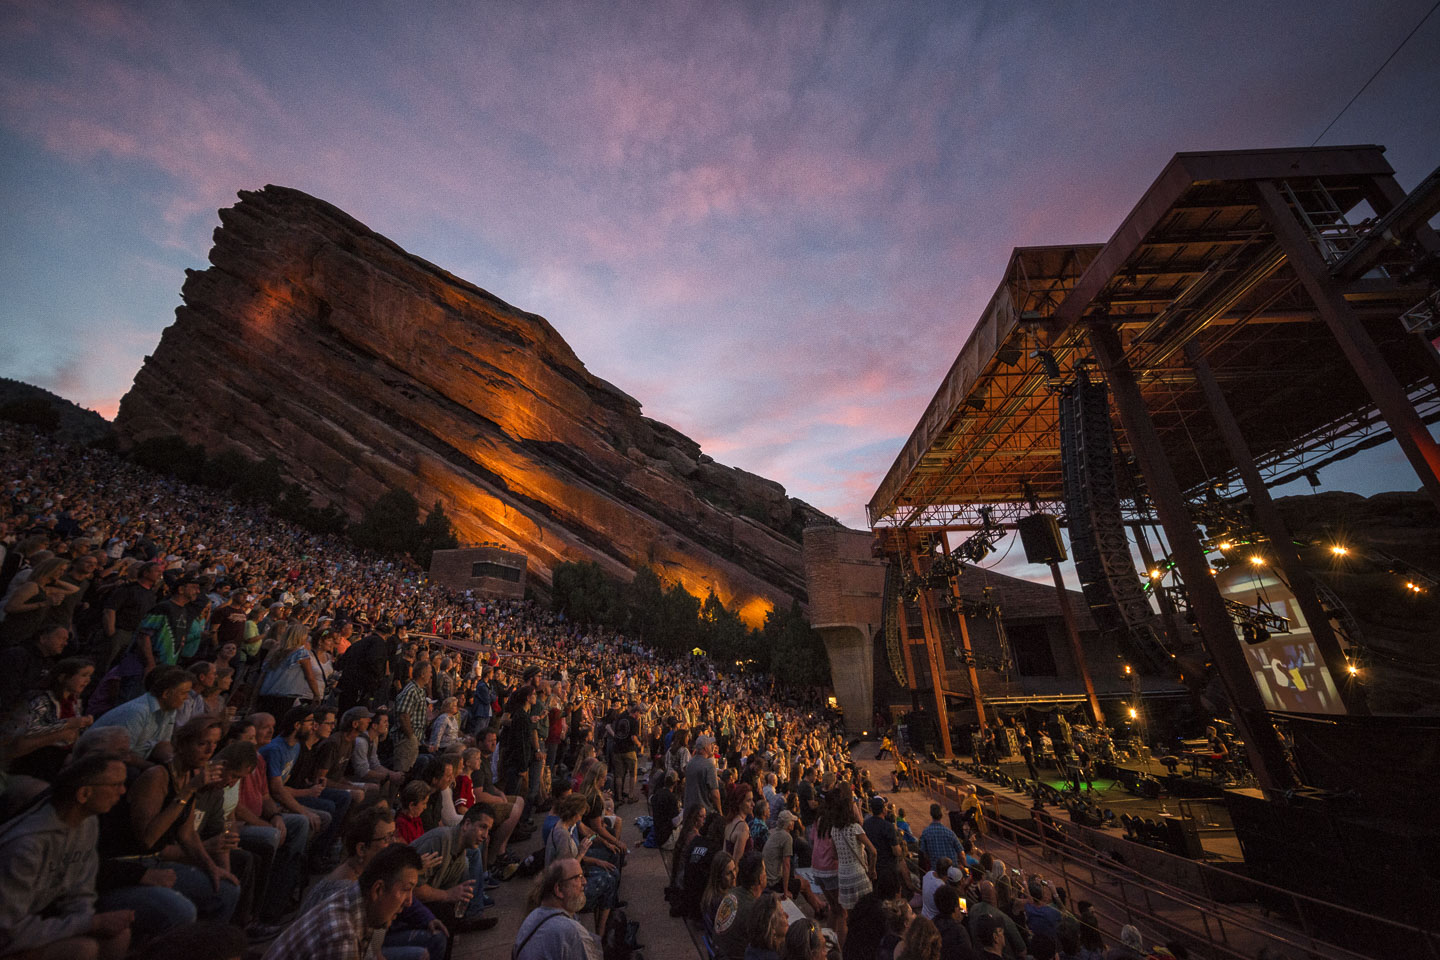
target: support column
<point>1072,630</point>
<point>936,661</point>
<point>971,673</point>
<point>1355,342</point>
<point>1217,630</point>
<point>1273,525</point>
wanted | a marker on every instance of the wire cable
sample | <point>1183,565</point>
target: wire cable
<point>1382,66</point>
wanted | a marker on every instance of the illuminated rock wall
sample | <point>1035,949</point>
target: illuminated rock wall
<point>359,366</point>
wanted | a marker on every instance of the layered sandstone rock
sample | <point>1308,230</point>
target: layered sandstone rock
<point>359,366</point>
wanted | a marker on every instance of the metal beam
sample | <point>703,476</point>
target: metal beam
<point>1217,630</point>
<point>1281,543</point>
<point>1355,342</point>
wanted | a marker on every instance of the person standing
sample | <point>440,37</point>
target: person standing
<point>411,712</point>
<point>702,778</point>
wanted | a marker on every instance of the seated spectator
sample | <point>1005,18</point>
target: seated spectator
<point>550,930</point>
<point>454,879</point>
<point>365,765</point>
<point>48,864</point>
<point>277,837</point>
<point>767,928</point>
<point>54,720</point>
<point>445,731</point>
<point>149,719</point>
<point>156,818</point>
<point>602,879</point>
<point>732,916</point>
<point>350,924</point>
<point>280,755</point>
<point>413,800</point>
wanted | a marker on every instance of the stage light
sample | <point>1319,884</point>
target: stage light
<point>1127,669</point>
<point>1353,669</point>
<point>1134,713</point>
<point>1156,574</point>
<point>1257,561</point>
<point>1339,550</point>
<point>1224,545</point>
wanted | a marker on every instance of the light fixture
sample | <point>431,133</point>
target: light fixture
<point>1008,356</point>
<point>1339,549</point>
<point>1127,669</point>
<point>1257,561</point>
<point>1156,574</point>
<point>1133,713</point>
<point>1353,669</point>
<point>977,403</point>
<point>1224,545</point>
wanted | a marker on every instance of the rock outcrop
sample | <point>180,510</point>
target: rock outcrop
<point>315,340</point>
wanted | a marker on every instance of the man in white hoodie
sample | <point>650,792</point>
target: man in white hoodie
<point>47,871</point>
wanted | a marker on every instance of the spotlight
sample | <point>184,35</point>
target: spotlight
<point>1127,669</point>
<point>1254,633</point>
<point>1156,574</point>
<point>1257,561</point>
<point>1354,670</point>
<point>1133,713</point>
<point>1339,550</point>
<point>1224,545</point>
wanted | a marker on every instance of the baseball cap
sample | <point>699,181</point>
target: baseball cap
<point>705,742</point>
<point>954,875</point>
<point>786,817</point>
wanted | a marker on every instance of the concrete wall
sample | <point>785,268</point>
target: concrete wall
<point>846,585</point>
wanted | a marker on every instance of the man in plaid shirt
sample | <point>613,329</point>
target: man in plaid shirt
<point>938,840</point>
<point>411,713</point>
<point>351,924</point>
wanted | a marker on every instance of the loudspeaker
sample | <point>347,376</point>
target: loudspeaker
<point>1183,837</point>
<point>1040,535</point>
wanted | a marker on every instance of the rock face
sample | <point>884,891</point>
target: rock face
<point>359,367</point>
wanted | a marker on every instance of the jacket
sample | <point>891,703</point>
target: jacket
<point>47,879</point>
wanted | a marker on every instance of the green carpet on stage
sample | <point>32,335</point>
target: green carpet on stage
<point>1101,784</point>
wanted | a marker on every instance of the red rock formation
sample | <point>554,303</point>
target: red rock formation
<point>359,366</point>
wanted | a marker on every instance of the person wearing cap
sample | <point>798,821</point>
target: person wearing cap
<point>779,857</point>
<point>624,763</point>
<point>889,850</point>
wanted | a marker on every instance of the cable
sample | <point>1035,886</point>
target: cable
<point>1382,66</point>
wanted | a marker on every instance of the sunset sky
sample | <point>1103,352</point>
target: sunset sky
<point>773,223</point>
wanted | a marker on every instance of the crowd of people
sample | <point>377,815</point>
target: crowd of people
<point>223,735</point>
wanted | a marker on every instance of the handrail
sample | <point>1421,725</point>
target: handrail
<point>1231,878</point>
<point>1122,874</point>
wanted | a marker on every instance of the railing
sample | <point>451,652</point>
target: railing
<point>1123,895</point>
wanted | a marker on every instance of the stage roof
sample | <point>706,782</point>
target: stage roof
<point>1195,261</point>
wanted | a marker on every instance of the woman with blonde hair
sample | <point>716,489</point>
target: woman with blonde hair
<point>292,674</point>
<point>29,602</point>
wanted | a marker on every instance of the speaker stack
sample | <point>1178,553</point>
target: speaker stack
<point>1097,531</point>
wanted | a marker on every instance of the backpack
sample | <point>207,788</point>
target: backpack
<point>621,938</point>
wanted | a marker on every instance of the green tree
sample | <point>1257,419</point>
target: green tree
<point>797,654</point>
<point>390,525</point>
<point>36,411</point>
<point>260,482</point>
<point>586,594</point>
<point>436,533</point>
<point>170,455</point>
<point>642,598</point>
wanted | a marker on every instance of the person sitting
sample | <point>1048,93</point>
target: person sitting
<point>732,916</point>
<point>601,876</point>
<point>453,880</point>
<point>48,863</point>
<point>347,925</point>
<point>767,928</point>
<point>150,717</point>
<point>550,930</point>
<point>413,799</point>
